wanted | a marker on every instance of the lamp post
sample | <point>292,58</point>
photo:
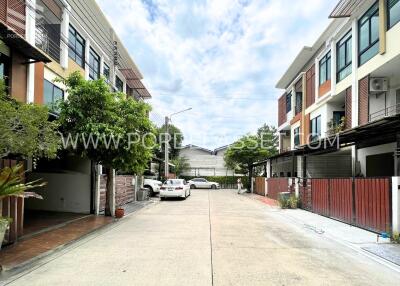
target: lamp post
<point>166,155</point>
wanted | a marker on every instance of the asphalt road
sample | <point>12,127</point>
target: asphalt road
<point>213,238</point>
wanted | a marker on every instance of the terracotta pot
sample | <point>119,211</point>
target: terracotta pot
<point>119,213</point>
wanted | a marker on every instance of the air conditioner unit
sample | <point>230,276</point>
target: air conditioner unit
<point>285,132</point>
<point>378,84</point>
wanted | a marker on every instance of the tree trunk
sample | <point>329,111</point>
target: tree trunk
<point>109,192</point>
<point>250,178</point>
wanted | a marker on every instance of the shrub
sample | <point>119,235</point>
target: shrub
<point>290,202</point>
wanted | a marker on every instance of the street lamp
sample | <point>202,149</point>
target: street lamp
<point>166,155</point>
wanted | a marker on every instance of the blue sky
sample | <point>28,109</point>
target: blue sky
<point>221,57</point>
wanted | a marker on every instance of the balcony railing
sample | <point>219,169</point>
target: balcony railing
<point>388,111</point>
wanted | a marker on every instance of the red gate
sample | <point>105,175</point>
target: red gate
<point>341,199</point>
<point>373,207</point>
<point>278,185</point>
<point>320,196</point>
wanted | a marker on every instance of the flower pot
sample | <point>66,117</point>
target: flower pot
<point>3,228</point>
<point>119,213</point>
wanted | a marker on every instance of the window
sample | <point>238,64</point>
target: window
<point>315,128</point>
<point>94,65</point>
<point>344,57</point>
<point>296,136</point>
<point>76,47</point>
<point>48,29</point>
<point>299,102</point>
<point>337,117</point>
<point>119,84</point>
<point>4,67</point>
<point>52,95</point>
<point>394,12</point>
<point>106,72</point>
<point>288,102</point>
<point>325,68</point>
<point>368,35</point>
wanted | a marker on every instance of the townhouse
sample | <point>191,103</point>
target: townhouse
<point>41,40</point>
<point>345,91</point>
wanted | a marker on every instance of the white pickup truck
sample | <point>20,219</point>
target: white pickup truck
<point>153,185</point>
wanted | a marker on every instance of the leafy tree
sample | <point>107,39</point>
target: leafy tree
<point>107,128</point>
<point>251,149</point>
<point>25,129</point>
<point>181,165</point>
<point>175,143</point>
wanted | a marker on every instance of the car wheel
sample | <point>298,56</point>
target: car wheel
<point>213,187</point>
<point>162,199</point>
<point>193,186</point>
<point>151,192</point>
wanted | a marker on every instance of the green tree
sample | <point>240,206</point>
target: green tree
<point>176,137</point>
<point>181,165</point>
<point>25,129</point>
<point>251,149</point>
<point>118,129</point>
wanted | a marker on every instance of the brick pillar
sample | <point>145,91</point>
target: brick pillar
<point>363,94</point>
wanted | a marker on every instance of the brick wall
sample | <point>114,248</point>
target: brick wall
<point>363,93</point>
<point>124,190</point>
<point>282,110</point>
<point>348,108</point>
<point>310,86</point>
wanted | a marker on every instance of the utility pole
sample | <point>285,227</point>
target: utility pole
<point>166,148</point>
<point>167,139</point>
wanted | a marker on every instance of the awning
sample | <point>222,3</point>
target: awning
<point>345,8</point>
<point>372,134</point>
<point>14,40</point>
<point>134,82</point>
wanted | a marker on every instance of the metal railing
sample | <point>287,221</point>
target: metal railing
<point>388,111</point>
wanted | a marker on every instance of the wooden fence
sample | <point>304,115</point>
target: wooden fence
<point>279,185</point>
<point>364,202</point>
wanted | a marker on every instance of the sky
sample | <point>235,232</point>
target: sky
<point>222,58</point>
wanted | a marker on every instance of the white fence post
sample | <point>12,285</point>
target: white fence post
<point>396,205</point>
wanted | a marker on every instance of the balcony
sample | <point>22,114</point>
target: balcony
<point>386,112</point>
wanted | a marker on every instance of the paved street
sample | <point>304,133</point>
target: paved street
<point>213,238</point>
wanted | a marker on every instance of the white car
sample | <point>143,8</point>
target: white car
<point>153,186</point>
<point>200,183</point>
<point>175,188</point>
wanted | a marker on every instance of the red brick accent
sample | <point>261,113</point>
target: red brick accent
<point>306,130</point>
<point>296,118</point>
<point>124,190</point>
<point>324,88</point>
<point>282,117</point>
<point>348,107</point>
<point>310,86</point>
<point>363,94</point>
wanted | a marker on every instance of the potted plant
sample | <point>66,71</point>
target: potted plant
<point>119,213</point>
<point>12,184</point>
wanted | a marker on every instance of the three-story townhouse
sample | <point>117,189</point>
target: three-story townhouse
<point>345,87</point>
<point>42,40</point>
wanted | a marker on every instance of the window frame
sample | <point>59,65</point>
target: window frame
<point>343,44</point>
<point>109,72</point>
<point>314,136</point>
<point>92,53</point>
<point>327,58</point>
<point>117,78</point>
<point>371,44</point>
<point>73,48</point>
<point>389,24</point>
<point>288,100</point>
<point>51,106</point>
<point>296,136</point>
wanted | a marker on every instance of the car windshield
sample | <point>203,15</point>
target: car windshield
<point>173,182</point>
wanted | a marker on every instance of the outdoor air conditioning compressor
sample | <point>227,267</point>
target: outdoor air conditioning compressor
<point>378,84</point>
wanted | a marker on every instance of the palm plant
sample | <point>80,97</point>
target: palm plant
<point>12,184</point>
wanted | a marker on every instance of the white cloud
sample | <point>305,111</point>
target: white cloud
<point>212,55</point>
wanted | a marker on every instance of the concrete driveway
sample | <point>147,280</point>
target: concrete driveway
<point>213,238</point>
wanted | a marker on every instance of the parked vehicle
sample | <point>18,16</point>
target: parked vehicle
<point>201,183</point>
<point>153,186</point>
<point>175,188</point>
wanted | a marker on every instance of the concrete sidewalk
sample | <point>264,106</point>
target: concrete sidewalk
<point>354,237</point>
